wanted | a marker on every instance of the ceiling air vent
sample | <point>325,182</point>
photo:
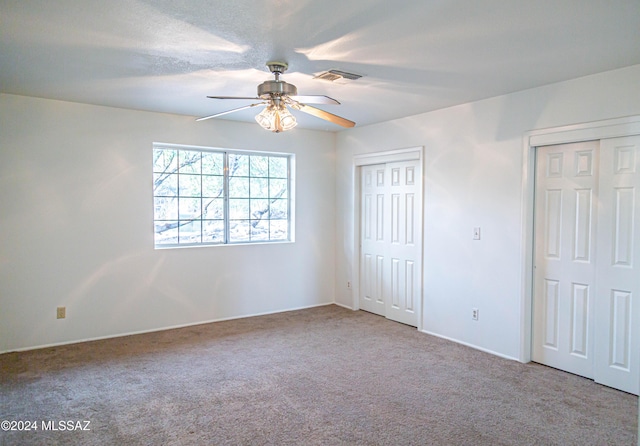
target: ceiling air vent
<point>336,75</point>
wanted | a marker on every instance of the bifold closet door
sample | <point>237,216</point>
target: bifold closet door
<point>586,307</point>
<point>391,240</point>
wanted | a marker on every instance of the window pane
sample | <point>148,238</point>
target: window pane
<point>212,163</point>
<point>189,186</point>
<point>239,230</point>
<point>259,208</point>
<point>238,209</point>
<point>213,231</point>
<point>165,208</point>
<point>166,232</point>
<point>165,160</point>
<point>259,166</point>
<point>259,187</point>
<point>278,188</point>
<point>212,186</point>
<point>278,209</point>
<point>277,167</point>
<point>189,208</point>
<point>189,161</point>
<point>190,232</point>
<point>239,187</point>
<point>165,185</point>
<point>238,165</point>
<point>259,230</point>
<point>213,208</point>
<point>279,230</point>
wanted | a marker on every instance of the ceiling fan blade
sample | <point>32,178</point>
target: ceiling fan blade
<point>229,111</point>
<point>323,114</point>
<point>232,97</point>
<point>315,99</point>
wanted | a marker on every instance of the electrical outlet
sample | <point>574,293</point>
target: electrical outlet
<point>474,314</point>
<point>349,285</point>
<point>61,312</point>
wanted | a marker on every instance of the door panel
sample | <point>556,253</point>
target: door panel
<point>617,347</point>
<point>391,248</point>
<point>373,244</point>
<point>405,255</point>
<point>566,184</point>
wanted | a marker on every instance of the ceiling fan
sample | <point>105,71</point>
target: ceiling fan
<point>276,96</point>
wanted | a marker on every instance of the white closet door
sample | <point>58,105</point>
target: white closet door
<point>566,193</point>
<point>391,240</point>
<point>405,251</point>
<point>586,280</point>
<point>374,234</point>
<point>617,330</point>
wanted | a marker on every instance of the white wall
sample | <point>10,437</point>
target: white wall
<point>473,173</point>
<point>76,221</point>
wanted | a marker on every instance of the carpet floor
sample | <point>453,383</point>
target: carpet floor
<point>321,376</point>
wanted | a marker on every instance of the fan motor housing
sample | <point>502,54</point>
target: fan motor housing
<point>277,88</point>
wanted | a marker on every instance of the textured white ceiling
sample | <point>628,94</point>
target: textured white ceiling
<point>415,56</point>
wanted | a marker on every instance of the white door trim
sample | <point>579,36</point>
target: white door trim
<point>611,128</point>
<point>390,156</point>
<point>407,154</point>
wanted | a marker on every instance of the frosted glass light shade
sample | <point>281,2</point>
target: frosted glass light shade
<point>287,120</point>
<point>266,118</point>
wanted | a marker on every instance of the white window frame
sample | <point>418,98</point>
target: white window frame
<point>226,217</point>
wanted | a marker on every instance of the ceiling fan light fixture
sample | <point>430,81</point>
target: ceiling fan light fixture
<point>276,119</point>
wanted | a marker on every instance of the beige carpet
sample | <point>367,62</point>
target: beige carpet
<point>323,376</point>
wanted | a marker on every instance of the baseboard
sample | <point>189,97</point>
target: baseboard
<point>466,344</point>
<point>344,306</point>
<point>153,330</point>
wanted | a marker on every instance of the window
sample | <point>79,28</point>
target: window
<point>209,196</point>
